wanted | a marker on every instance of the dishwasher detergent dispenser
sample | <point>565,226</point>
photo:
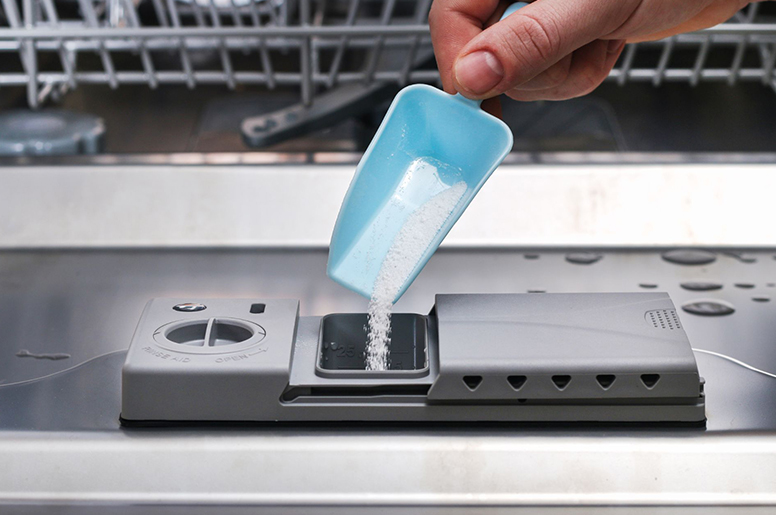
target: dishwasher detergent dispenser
<point>565,357</point>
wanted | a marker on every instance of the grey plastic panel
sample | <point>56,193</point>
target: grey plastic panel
<point>476,345</point>
<point>207,382</point>
<point>574,338</point>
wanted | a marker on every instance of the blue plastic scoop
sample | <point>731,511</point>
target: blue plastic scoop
<point>428,142</point>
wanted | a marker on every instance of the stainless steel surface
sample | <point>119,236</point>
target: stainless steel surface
<point>308,34</point>
<point>60,441</point>
<point>359,468</point>
<point>559,204</point>
<point>123,509</point>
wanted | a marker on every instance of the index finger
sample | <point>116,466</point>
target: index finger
<point>453,24</point>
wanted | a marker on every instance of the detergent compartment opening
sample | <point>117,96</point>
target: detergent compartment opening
<point>342,346</point>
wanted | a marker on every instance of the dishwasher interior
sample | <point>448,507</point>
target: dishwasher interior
<point>317,76</point>
<point>595,336</point>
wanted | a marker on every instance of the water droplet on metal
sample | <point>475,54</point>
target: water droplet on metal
<point>24,353</point>
<point>741,256</point>
<point>708,308</point>
<point>701,286</point>
<point>537,290</point>
<point>648,286</point>
<point>531,256</point>
<point>689,257</point>
<point>583,258</point>
<point>746,286</point>
<point>762,298</point>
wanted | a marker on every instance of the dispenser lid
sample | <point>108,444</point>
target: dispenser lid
<point>500,347</point>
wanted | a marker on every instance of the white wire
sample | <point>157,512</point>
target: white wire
<point>736,361</point>
<point>59,372</point>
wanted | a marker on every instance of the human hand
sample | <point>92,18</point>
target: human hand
<point>552,49</point>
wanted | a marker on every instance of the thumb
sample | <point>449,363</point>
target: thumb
<point>521,46</point>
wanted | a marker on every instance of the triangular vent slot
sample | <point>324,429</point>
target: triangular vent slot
<point>561,381</point>
<point>472,382</point>
<point>516,382</point>
<point>605,380</point>
<point>650,380</point>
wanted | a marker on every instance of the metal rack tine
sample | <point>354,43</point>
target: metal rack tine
<point>145,56</point>
<point>32,56</point>
<point>185,59</point>
<point>284,15</point>
<point>12,13</point>
<point>26,53</point>
<point>266,63</point>
<point>385,19</point>
<point>665,57</point>
<point>741,47</point>
<point>317,20</point>
<point>421,14</point>
<point>769,63</point>
<point>226,61</point>
<point>198,16</point>
<point>161,13</point>
<point>236,16</point>
<point>305,56</point>
<point>738,59</point>
<point>700,61</point>
<point>627,63</point>
<point>337,62</point>
<point>238,21</point>
<point>67,67</point>
<point>87,8</point>
<point>215,19</point>
<point>273,13</point>
<point>254,14</point>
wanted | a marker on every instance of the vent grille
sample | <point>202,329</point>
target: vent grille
<point>546,389</point>
<point>663,319</point>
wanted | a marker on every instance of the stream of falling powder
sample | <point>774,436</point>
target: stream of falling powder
<point>407,248</point>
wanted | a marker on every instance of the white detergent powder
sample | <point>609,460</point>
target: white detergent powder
<point>407,248</point>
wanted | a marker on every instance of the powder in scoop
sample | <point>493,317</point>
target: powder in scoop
<point>407,248</point>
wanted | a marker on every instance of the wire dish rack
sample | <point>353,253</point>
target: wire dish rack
<point>343,50</point>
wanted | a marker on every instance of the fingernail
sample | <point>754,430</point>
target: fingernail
<point>478,72</point>
<point>615,46</point>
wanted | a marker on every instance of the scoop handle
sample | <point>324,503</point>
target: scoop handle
<point>510,10</point>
